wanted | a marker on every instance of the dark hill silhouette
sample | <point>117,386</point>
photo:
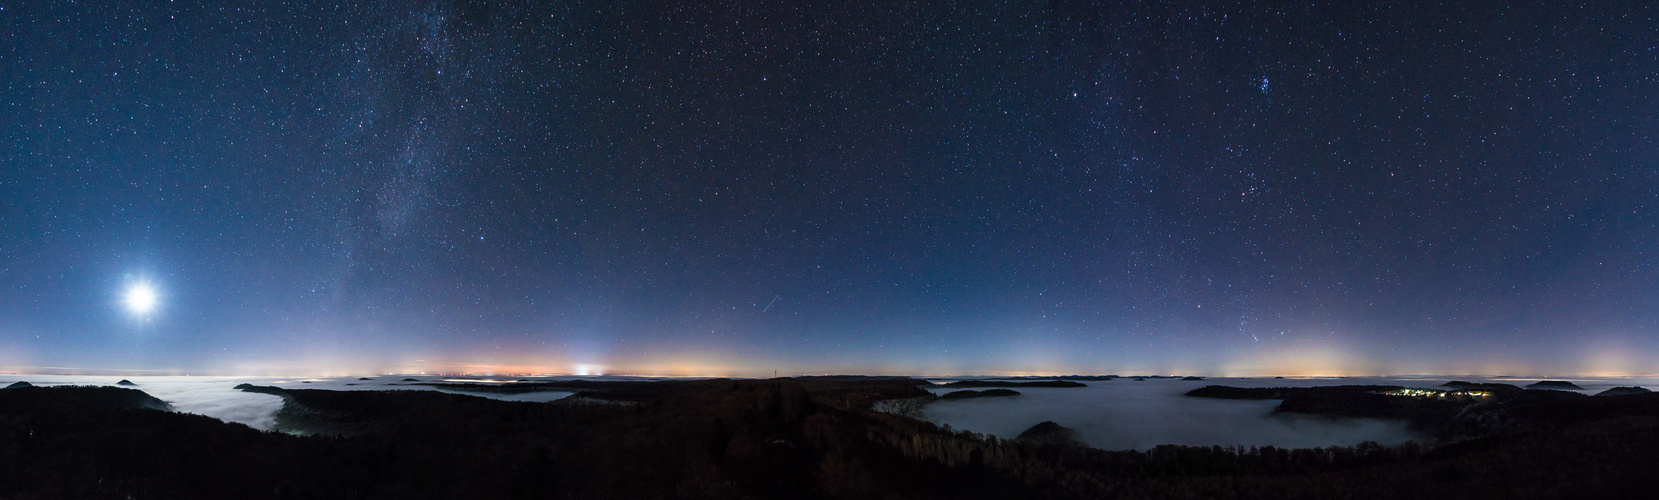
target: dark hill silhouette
<point>1004,383</point>
<point>1488,387</point>
<point>1623,391</point>
<point>988,393</point>
<point>1554,384</point>
<point>1049,433</point>
<point>1446,415</point>
<point>19,385</point>
<point>125,383</point>
<point>1062,377</point>
<point>82,398</point>
<point>810,438</point>
<point>274,391</point>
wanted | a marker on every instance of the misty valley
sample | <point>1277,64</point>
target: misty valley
<point>598,249</point>
<point>824,437</point>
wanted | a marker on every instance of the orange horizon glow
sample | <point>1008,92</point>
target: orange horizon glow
<point>485,372</point>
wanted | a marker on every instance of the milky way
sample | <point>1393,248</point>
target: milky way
<point>696,188</point>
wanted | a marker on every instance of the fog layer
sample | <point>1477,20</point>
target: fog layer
<point>1125,414</point>
<point>1115,414</point>
<point>217,397</point>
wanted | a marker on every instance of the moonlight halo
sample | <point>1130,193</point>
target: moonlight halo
<point>1027,187</point>
<point>140,298</point>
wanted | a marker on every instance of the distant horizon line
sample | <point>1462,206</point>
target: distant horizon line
<point>62,371</point>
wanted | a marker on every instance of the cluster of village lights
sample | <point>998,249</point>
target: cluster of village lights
<point>1431,393</point>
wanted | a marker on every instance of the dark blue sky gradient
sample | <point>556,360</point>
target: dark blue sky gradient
<point>735,188</point>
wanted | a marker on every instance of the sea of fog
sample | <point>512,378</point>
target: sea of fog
<point>1126,414</point>
<point>217,397</point>
<point>1109,414</point>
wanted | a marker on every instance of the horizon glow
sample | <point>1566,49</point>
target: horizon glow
<point>1012,188</point>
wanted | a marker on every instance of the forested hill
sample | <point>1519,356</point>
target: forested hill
<point>715,439</point>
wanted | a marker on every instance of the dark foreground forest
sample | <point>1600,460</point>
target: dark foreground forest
<point>793,438</point>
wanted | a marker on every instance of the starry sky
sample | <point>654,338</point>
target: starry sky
<point>733,188</point>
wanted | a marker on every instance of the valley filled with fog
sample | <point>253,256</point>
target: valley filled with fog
<point>217,397</point>
<point>1108,414</point>
<point>1128,414</point>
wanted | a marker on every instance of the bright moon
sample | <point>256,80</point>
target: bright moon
<point>141,298</point>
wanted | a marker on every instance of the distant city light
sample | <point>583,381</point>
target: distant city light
<point>1431,393</point>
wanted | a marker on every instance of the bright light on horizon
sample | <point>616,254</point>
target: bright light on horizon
<point>141,298</point>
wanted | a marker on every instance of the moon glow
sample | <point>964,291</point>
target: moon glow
<point>141,298</point>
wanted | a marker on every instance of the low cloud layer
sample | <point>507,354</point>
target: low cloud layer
<point>1116,414</point>
<point>217,397</point>
<point>1125,414</point>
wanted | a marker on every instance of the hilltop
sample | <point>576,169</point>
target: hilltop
<point>781,438</point>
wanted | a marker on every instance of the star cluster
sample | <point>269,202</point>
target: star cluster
<point>714,188</point>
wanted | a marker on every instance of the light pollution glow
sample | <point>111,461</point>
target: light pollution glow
<point>1327,358</point>
<point>1293,366</point>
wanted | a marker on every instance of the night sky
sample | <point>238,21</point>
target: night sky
<point>733,188</point>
